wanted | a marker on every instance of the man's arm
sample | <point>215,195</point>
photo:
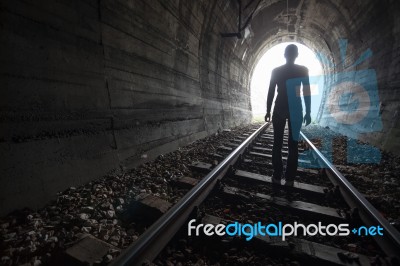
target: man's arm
<point>307,98</point>
<point>271,91</point>
<point>271,94</point>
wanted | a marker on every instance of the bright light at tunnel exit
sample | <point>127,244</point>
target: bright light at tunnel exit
<point>273,58</point>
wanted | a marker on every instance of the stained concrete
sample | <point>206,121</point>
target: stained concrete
<point>91,86</point>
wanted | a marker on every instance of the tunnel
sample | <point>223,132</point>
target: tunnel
<point>92,87</point>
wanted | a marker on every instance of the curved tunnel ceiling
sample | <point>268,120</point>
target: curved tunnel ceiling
<point>316,24</point>
<point>320,25</point>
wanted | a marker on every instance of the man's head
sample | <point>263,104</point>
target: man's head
<point>291,53</point>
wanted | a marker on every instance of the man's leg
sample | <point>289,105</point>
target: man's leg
<point>293,152</point>
<point>279,126</point>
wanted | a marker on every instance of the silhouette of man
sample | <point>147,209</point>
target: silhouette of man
<point>288,79</point>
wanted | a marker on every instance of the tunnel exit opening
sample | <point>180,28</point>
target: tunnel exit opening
<point>273,58</point>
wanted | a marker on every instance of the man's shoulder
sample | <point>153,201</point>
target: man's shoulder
<point>302,68</point>
<point>284,67</point>
<point>279,68</point>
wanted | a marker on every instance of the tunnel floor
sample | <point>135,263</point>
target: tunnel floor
<point>101,207</point>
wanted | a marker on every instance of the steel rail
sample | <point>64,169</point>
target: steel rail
<point>154,239</point>
<point>390,241</point>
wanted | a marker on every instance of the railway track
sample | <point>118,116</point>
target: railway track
<point>239,191</point>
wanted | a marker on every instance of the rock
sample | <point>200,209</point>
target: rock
<point>68,217</point>
<point>90,222</point>
<point>5,259</point>
<point>344,256</point>
<point>110,214</point>
<point>114,252</point>
<point>108,258</point>
<point>115,238</point>
<point>352,247</point>
<point>5,225</point>
<point>87,209</point>
<point>86,229</point>
<point>11,236</point>
<point>84,216</point>
<point>53,239</point>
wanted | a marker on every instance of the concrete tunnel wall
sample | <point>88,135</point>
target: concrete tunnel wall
<point>90,86</point>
